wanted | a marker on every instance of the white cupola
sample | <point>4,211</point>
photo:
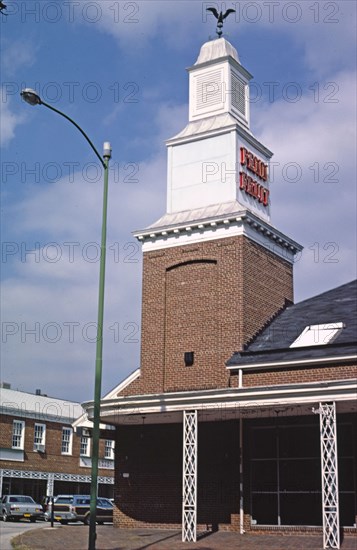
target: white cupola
<point>219,83</point>
<point>217,171</point>
<point>216,159</point>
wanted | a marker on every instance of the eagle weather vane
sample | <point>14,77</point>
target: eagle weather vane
<point>2,8</point>
<point>220,18</point>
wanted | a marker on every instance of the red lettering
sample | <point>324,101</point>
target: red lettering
<point>266,197</point>
<point>254,164</point>
<point>242,180</point>
<point>253,188</point>
<point>264,172</point>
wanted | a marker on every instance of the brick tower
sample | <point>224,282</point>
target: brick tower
<point>214,270</point>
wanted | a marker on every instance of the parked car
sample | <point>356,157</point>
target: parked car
<point>77,508</point>
<point>20,506</point>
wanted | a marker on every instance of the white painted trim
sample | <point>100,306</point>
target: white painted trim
<point>241,481</point>
<point>225,227</point>
<point>295,362</point>
<point>70,441</point>
<point>233,125</point>
<point>189,476</point>
<point>84,422</point>
<point>56,476</point>
<point>120,387</point>
<point>335,390</point>
<point>20,447</point>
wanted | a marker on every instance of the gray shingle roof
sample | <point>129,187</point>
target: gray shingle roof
<point>272,344</point>
<point>40,407</point>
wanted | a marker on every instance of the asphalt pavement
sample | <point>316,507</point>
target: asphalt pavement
<point>11,529</point>
<point>75,537</point>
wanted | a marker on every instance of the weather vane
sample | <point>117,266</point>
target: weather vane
<point>220,18</point>
<point>2,8</point>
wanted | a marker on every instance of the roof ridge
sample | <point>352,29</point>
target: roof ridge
<point>352,282</point>
<point>296,349</point>
<point>287,303</point>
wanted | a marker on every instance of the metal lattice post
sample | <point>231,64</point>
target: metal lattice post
<point>189,498</point>
<point>329,472</point>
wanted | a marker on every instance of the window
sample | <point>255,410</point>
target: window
<point>64,500</point>
<point>22,499</point>
<point>85,446</point>
<point>18,434</point>
<point>66,448</point>
<point>318,335</point>
<point>285,473</point>
<point>39,439</point>
<point>109,449</point>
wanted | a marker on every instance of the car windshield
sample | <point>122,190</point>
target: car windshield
<point>83,501</point>
<point>104,503</point>
<point>64,500</point>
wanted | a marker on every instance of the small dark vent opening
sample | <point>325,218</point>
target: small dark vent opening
<point>188,357</point>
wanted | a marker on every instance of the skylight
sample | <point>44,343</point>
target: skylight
<point>318,335</point>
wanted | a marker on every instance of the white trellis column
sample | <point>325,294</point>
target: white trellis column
<point>329,474</point>
<point>1,479</point>
<point>189,481</point>
<point>241,494</point>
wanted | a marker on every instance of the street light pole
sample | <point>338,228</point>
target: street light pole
<point>99,360</point>
<point>31,97</point>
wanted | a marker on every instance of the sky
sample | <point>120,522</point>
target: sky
<point>118,69</point>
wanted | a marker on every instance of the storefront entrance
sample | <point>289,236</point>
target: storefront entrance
<point>283,469</point>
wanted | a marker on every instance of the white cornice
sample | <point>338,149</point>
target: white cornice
<point>120,387</point>
<point>216,125</point>
<point>219,227</point>
<point>231,398</point>
<point>292,363</point>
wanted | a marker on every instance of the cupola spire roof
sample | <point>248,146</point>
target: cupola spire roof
<point>217,49</point>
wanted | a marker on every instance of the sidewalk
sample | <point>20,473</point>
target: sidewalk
<point>75,537</point>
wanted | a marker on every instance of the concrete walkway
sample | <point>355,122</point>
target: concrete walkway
<point>75,537</point>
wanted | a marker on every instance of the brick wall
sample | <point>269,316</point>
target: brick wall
<point>152,494</point>
<point>209,298</point>
<point>51,460</point>
<point>298,375</point>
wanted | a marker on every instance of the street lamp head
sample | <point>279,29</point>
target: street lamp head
<point>107,150</point>
<point>31,97</point>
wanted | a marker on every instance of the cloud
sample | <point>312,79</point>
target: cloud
<point>17,54</point>
<point>135,24</point>
<point>328,37</point>
<point>9,120</point>
<point>49,305</point>
<point>324,32</point>
<point>313,187</point>
<point>50,287</point>
<point>51,295</point>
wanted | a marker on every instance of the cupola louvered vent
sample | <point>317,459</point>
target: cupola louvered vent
<point>209,90</point>
<point>238,94</point>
